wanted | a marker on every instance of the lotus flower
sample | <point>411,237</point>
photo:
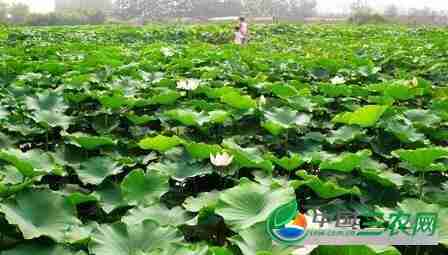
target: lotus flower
<point>338,80</point>
<point>167,52</point>
<point>188,84</point>
<point>223,159</point>
<point>261,101</point>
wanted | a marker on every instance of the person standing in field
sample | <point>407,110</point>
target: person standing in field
<point>238,36</point>
<point>244,30</point>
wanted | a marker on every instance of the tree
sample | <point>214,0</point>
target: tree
<point>152,9</point>
<point>215,8</point>
<point>360,7</point>
<point>360,12</point>
<point>303,8</point>
<point>391,11</point>
<point>19,13</point>
<point>257,7</point>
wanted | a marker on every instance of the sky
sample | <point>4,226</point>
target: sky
<point>323,5</point>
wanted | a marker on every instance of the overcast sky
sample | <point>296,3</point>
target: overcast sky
<point>324,5</point>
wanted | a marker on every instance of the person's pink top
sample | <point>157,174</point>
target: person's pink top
<point>243,28</point>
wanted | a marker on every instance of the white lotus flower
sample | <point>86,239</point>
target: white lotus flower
<point>338,80</point>
<point>223,159</point>
<point>167,52</point>
<point>261,101</point>
<point>188,84</point>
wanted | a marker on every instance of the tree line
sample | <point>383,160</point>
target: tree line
<point>161,9</point>
<point>20,14</point>
<point>154,10</point>
<point>360,12</point>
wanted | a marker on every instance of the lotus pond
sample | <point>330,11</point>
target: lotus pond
<point>107,133</point>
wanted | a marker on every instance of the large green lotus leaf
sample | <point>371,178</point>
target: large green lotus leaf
<point>385,178</point>
<point>396,90</point>
<point>145,189</point>
<point>52,119</point>
<point>414,205</point>
<point>421,159</point>
<point>364,250</point>
<point>249,203</point>
<point>110,196</point>
<point>339,90</point>
<point>365,116</point>
<point>346,162</point>
<point>139,239</point>
<point>115,101</point>
<point>402,128</point>
<point>215,93</point>
<point>247,157</point>
<point>302,103</point>
<point>50,101</point>
<point>219,116</point>
<point>238,101</point>
<point>324,189</point>
<point>422,118</point>
<point>166,97</point>
<point>160,143</point>
<point>29,163</point>
<point>400,92</point>
<point>203,200</point>
<point>279,119</point>
<point>256,241</point>
<point>288,163</point>
<point>39,248</point>
<point>268,180</point>
<point>77,197</point>
<point>175,216</point>
<point>140,120</point>
<point>284,90</point>
<point>181,170</point>
<point>202,150</point>
<point>89,142</point>
<point>95,170</point>
<point>10,175</point>
<point>40,213</point>
<point>188,117</point>
<point>344,135</point>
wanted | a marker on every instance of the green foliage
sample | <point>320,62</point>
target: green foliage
<point>366,116</point>
<point>160,143</point>
<point>324,189</point>
<point>102,153</point>
<point>250,203</point>
<point>422,159</point>
<point>141,188</point>
<point>40,213</point>
<point>122,239</point>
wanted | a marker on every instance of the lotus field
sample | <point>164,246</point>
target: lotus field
<point>171,140</point>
